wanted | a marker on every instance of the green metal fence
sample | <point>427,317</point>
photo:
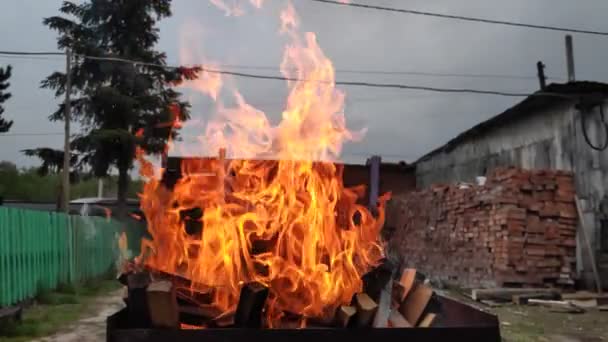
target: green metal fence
<point>40,250</point>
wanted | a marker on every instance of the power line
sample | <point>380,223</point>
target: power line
<point>396,72</point>
<point>28,134</point>
<point>11,54</point>
<point>462,18</point>
<point>293,79</point>
<point>29,53</point>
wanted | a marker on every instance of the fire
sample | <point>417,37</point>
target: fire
<point>280,215</point>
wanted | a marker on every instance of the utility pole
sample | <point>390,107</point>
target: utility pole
<point>100,188</point>
<point>570,58</point>
<point>66,142</point>
<point>542,79</point>
<point>374,183</point>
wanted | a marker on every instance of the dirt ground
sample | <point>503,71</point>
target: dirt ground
<point>92,327</point>
<point>532,323</point>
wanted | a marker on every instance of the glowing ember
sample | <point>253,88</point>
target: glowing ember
<point>281,217</point>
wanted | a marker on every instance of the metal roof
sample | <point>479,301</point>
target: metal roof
<point>552,95</point>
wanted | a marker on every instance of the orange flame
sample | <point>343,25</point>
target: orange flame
<point>282,216</point>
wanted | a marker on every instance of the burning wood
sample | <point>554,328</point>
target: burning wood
<point>165,309</point>
<point>251,303</point>
<point>162,305</point>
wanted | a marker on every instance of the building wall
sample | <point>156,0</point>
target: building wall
<point>551,139</point>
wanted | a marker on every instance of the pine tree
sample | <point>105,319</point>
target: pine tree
<point>5,74</point>
<point>119,105</point>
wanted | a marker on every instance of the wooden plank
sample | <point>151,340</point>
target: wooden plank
<point>522,299</point>
<point>396,320</point>
<point>13,313</point>
<point>584,303</point>
<point>506,293</point>
<point>491,303</point>
<point>344,315</point>
<point>581,295</point>
<point>427,321</point>
<point>366,309</point>
<point>162,305</point>
<point>557,305</point>
<point>590,251</point>
<point>413,306</point>
<point>251,303</point>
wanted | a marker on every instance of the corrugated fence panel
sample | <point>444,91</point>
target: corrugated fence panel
<point>41,250</point>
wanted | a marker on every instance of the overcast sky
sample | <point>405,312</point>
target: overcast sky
<point>402,124</point>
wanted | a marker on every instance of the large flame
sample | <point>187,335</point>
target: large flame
<point>280,216</point>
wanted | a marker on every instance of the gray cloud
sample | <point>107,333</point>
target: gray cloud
<point>402,124</point>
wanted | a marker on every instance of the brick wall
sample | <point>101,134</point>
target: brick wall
<point>518,229</point>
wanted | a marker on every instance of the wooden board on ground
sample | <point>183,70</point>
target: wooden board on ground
<point>162,305</point>
<point>584,303</point>
<point>396,320</point>
<point>492,304</point>
<point>522,299</point>
<point>557,305</point>
<point>366,309</point>
<point>414,304</point>
<point>581,295</point>
<point>11,313</point>
<point>505,294</point>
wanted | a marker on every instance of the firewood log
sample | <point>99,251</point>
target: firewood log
<point>251,303</point>
<point>344,315</point>
<point>366,309</point>
<point>162,305</point>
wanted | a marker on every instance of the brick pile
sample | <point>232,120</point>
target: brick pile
<point>516,230</point>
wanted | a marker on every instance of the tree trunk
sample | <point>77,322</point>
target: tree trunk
<point>123,189</point>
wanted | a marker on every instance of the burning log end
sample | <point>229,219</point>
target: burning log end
<point>251,304</point>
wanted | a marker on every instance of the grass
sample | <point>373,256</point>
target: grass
<point>53,310</point>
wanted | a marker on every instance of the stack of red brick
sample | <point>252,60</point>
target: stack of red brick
<point>517,229</point>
